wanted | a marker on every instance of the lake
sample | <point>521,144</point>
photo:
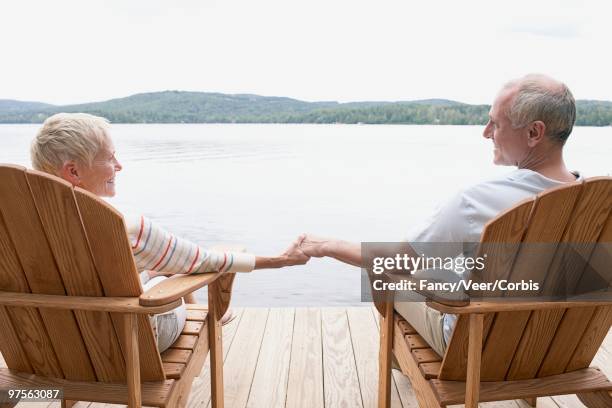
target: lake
<point>263,185</point>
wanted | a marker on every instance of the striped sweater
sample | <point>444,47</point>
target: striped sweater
<point>156,249</point>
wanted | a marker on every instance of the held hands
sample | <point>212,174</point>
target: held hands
<point>313,246</point>
<point>294,255</point>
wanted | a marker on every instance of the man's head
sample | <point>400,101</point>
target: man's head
<point>530,116</point>
<point>77,147</point>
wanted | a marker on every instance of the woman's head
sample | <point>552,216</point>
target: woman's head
<point>77,148</point>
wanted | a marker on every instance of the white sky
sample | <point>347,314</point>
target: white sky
<point>65,51</point>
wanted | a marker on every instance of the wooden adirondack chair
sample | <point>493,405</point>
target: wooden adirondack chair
<point>73,314</point>
<point>518,349</point>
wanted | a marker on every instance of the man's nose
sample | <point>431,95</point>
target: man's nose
<point>486,133</point>
<point>118,166</point>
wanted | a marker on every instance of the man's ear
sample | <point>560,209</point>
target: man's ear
<point>70,173</point>
<point>537,131</point>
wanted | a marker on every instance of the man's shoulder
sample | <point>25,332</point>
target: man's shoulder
<point>517,184</point>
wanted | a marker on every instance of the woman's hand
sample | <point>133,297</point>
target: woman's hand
<point>292,256</point>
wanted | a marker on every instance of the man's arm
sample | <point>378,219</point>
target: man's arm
<point>344,251</point>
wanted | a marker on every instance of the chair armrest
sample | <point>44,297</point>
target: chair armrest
<point>511,306</point>
<point>173,289</point>
<point>89,303</point>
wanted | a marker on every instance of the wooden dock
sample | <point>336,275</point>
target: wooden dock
<point>313,357</point>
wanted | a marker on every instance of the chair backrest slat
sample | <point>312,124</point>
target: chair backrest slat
<point>591,339</point>
<point>114,262</point>
<point>581,236</point>
<point>454,363</point>
<point>568,335</point>
<point>10,346</point>
<point>501,237</point>
<point>25,323</point>
<point>61,222</point>
<point>23,226</point>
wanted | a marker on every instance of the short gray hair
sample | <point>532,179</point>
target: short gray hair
<point>68,136</point>
<point>542,98</point>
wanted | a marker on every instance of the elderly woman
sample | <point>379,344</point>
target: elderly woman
<point>78,148</point>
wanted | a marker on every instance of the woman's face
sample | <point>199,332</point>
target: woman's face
<point>99,178</point>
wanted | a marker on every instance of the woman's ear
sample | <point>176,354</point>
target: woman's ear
<point>70,173</point>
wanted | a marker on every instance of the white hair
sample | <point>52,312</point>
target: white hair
<point>68,136</point>
<point>542,98</point>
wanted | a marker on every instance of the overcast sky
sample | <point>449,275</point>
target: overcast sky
<point>65,51</point>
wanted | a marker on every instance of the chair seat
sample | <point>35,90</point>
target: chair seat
<point>176,358</point>
<point>428,360</point>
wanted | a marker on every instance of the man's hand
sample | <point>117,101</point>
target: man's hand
<point>313,246</point>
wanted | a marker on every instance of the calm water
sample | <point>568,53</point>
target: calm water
<point>262,185</point>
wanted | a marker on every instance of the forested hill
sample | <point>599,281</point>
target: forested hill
<point>203,107</point>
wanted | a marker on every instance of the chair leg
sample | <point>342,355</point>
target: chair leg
<point>532,402</point>
<point>472,384</point>
<point>68,403</point>
<point>384,357</point>
<point>600,399</point>
<point>130,327</point>
<point>216,347</point>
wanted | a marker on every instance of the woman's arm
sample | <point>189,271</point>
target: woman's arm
<point>160,251</point>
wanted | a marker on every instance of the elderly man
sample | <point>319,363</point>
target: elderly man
<point>529,122</point>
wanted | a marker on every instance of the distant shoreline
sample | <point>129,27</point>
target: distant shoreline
<point>176,107</point>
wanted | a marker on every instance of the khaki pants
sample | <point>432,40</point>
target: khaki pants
<point>426,321</point>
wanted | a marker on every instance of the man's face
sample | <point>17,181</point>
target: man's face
<point>509,145</point>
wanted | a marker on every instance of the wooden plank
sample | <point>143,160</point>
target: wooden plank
<point>200,394</point>
<point>114,263</point>
<point>567,337</point>
<point>242,358</point>
<point>475,340</point>
<point>426,355</point>
<point>364,339</point>
<point>21,222</point>
<point>192,327</point>
<point>588,220</point>
<point>10,346</point>
<point>173,370</point>
<point>422,389</point>
<point>402,394</point>
<point>454,362</point>
<point>173,355</point>
<point>340,380</point>
<point>90,303</point>
<point>588,379</point>
<point>415,341</point>
<point>130,331</point>
<point>551,212</point>
<point>305,384</point>
<point>534,344</point>
<point>497,242</point>
<point>196,315</point>
<point>502,342</point>
<point>269,387</point>
<point>61,222</point>
<point>185,342</point>
<point>430,370</point>
<point>591,339</point>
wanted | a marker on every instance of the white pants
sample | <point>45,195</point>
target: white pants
<point>169,325</point>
